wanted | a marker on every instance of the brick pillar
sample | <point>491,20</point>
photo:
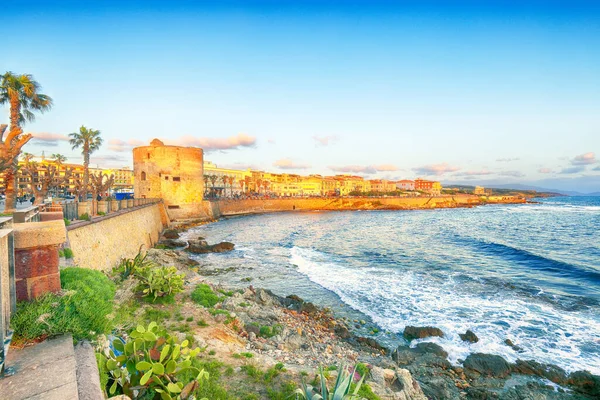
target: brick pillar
<point>129,203</point>
<point>36,258</point>
<point>123,204</point>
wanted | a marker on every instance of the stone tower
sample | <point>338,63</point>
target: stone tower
<point>172,173</point>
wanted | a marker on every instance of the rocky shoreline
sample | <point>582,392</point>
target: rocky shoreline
<point>304,337</point>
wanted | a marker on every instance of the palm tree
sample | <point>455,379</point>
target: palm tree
<point>58,159</point>
<point>88,140</point>
<point>224,179</point>
<point>21,92</point>
<point>206,179</point>
<point>213,180</point>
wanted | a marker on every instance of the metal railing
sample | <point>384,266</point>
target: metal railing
<point>8,294</point>
<point>29,214</point>
<point>73,209</point>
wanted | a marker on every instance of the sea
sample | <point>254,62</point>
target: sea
<point>529,273</point>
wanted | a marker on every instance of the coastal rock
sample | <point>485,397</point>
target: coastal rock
<point>510,344</point>
<point>222,247</point>
<point>420,332</point>
<point>548,371</point>
<point>202,247</point>
<point>395,384</point>
<point>342,331</point>
<point>171,243</point>
<point>372,343</point>
<point>469,336</point>
<point>431,348</point>
<point>487,365</point>
<point>171,234</point>
<point>586,383</point>
<point>294,341</point>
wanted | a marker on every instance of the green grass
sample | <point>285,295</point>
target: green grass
<point>85,217</point>
<point>270,331</point>
<point>153,314</point>
<point>218,311</point>
<point>82,310</point>
<point>243,355</point>
<point>68,253</point>
<point>204,296</point>
<point>202,323</point>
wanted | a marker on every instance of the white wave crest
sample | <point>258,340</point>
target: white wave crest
<point>395,299</point>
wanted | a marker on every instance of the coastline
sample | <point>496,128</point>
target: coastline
<point>310,336</point>
<point>210,211</point>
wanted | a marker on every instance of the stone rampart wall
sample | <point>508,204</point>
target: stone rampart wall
<point>231,207</point>
<point>101,243</point>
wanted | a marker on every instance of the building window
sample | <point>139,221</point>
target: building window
<point>148,156</point>
<point>173,207</point>
<point>143,175</point>
<point>166,178</point>
<point>176,179</point>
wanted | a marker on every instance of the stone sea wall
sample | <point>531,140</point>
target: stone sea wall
<point>239,207</point>
<point>101,243</point>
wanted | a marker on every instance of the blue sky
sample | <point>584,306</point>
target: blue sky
<point>506,92</point>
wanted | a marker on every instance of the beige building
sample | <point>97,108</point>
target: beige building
<point>225,181</point>
<point>172,173</point>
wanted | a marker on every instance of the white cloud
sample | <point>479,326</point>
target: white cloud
<point>287,163</point>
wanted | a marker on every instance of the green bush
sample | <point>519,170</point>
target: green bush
<point>153,364</point>
<point>204,296</point>
<point>81,310</point>
<point>270,331</point>
<point>160,282</point>
<point>67,222</point>
<point>129,266</point>
<point>101,213</point>
<point>343,388</point>
<point>68,253</point>
<point>85,217</point>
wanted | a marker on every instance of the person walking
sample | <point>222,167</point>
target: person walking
<point>32,199</point>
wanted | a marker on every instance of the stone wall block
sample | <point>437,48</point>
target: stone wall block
<point>43,284</point>
<point>36,261</point>
<point>22,290</point>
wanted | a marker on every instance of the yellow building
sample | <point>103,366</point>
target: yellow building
<point>479,190</point>
<point>236,181</point>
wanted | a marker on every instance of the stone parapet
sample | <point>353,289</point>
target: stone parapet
<point>36,258</point>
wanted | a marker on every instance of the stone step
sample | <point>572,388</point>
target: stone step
<point>45,371</point>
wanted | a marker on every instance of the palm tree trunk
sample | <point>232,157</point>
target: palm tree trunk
<point>86,173</point>
<point>11,195</point>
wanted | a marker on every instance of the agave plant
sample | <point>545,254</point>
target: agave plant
<point>340,391</point>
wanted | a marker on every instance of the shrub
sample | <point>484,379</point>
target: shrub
<point>85,217</point>
<point>129,266</point>
<point>160,282</point>
<point>82,310</point>
<point>204,296</point>
<point>67,222</point>
<point>342,390</point>
<point>68,253</point>
<point>151,363</point>
<point>269,331</point>
<point>101,213</point>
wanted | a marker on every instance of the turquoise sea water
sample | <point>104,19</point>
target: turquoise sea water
<point>529,273</point>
